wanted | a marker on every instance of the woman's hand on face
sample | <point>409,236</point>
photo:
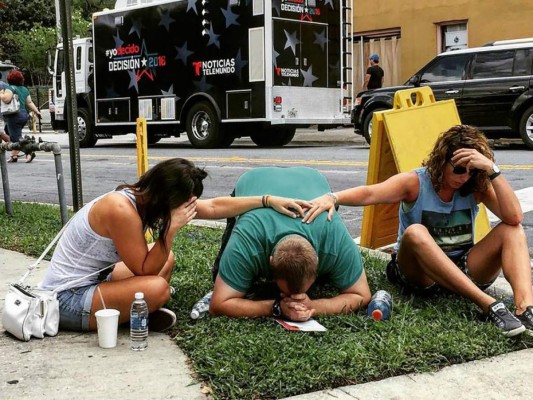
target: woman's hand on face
<point>182,215</point>
<point>318,206</point>
<point>289,207</point>
<point>471,159</point>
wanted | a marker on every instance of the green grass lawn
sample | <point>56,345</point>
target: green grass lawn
<point>257,358</point>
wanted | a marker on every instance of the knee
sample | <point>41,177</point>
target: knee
<point>514,232</point>
<point>416,235</point>
<point>159,292</point>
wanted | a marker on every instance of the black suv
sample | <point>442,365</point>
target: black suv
<point>492,87</point>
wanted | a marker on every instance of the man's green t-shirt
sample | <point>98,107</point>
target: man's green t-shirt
<point>247,254</point>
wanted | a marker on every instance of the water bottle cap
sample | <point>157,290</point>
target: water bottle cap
<point>139,295</point>
<point>377,315</point>
<point>195,314</point>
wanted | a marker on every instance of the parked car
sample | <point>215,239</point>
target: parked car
<point>492,87</point>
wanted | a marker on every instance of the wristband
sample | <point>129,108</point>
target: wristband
<point>265,200</point>
<point>495,175</point>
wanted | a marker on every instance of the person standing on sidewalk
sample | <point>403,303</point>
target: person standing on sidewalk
<point>438,206</point>
<point>16,122</point>
<point>110,231</point>
<point>4,135</point>
<point>374,74</point>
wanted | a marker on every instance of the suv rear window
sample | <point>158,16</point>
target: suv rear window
<point>493,64</point>
<point>447,68</point>
<point>523,60</point>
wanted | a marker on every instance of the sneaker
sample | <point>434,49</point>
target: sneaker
<point>392,273</point>
<point>527,319</point>
<point>161,320</point>
<point>504,320</point>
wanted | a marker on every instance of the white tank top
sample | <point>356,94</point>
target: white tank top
<point>81,251</point>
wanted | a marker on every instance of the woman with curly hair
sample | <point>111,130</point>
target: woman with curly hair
<point>435,249</point>
<point>15,122</point>
<point>110,232</point>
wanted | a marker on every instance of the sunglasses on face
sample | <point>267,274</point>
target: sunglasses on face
<point>459,170</point>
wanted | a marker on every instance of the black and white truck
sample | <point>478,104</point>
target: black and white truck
<point>217,69</point>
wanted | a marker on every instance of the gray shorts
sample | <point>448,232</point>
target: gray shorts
<point>395,275</point>
<point>75,306</point>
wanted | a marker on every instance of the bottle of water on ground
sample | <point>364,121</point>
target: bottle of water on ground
<point>139,323</point>
<point>380,305</point>
<point>201,308</point>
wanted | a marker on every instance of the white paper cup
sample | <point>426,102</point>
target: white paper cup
<point>107,323</point>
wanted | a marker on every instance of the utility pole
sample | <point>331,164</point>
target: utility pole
<point>71,106</point>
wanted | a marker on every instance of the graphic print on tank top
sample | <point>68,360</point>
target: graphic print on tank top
<point>452,232</point>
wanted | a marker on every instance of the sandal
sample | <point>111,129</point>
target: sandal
<point>13,159</point>
<point>29,160</point>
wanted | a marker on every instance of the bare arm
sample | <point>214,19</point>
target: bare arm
<point>500,197</point>
<point>399,187</point>
<point>230,302</point>
<point>365,83</point>
<point>114,217</point>
<point>30,105</point>
<point>226,207</point>
<point>6,95</point>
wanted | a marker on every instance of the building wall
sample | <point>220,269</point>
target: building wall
<point>487,21</point>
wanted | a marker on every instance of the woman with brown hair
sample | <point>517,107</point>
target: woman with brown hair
<point>435,246</point>
<point>15,122</point>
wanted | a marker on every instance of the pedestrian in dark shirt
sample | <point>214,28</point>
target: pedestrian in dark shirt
<point>374,74</point>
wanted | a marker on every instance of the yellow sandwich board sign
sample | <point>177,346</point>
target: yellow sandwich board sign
<point>401,139</point>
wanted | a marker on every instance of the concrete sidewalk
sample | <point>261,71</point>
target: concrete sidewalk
<point>72,366</point>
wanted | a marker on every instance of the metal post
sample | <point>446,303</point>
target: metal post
<point>5,183</point>
<point>71,104</point>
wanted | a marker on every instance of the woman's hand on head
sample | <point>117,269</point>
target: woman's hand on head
<point>471,159</point>
<point>182,215</point>
<point>290,207</point>
<point>318,206</point>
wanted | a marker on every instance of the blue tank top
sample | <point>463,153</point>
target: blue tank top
<point>451,224</point>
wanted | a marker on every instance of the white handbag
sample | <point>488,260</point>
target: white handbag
<point>30,311</point>
<point>12,107</point>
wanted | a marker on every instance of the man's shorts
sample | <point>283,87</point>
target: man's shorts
<point>395,276</point>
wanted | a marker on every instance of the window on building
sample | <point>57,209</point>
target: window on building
<point>493,64</point>
<point>453,35</point>
<point>449,68</point>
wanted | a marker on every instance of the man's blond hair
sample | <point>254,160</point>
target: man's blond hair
<point>294,259</point>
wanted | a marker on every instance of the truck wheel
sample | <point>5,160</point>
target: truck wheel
<point>85,129</point>
<point>367,124</point>
<point>204,130</point>
<point>273,137</point>
<point>526,127</point>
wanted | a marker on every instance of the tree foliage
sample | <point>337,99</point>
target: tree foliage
<point>29,31</point>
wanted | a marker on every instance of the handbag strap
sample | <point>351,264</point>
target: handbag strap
<point>34,265</point>
<point>54,240</point>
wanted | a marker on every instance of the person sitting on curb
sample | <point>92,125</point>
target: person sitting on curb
<point>262,244</point>
<point>110,230</point>
<point>438,206</point>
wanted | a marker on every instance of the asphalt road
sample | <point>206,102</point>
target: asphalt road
<point>339,154</point>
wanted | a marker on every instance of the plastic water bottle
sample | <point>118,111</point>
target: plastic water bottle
<point>380,305</point>
<point>201,308</point>
<point>139,323</point>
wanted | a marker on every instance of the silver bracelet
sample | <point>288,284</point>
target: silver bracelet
<point>335,199</point>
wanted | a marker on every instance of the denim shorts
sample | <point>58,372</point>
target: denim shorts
<point>395,275</point>
<point>75,305</point>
